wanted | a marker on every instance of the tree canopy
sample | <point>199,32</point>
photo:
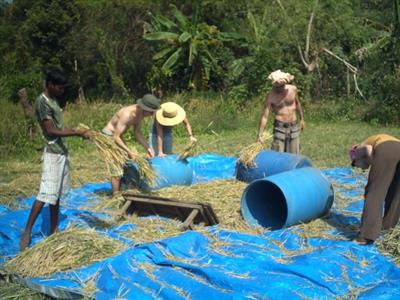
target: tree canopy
<point>121,49</point>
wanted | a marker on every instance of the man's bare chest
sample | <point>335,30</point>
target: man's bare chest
<point>281,101</point>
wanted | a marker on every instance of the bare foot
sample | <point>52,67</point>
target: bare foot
<point>24,241</point>
<point>362,241</point>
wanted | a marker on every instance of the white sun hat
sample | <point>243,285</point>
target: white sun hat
<point>170,114</point>
<point>279,77</point>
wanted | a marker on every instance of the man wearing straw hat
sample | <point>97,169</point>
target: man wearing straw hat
<point>284,102</point>
<point>169,115</point>
<point>381,209</point>
<point>55,161</point>
<point>130,116</point>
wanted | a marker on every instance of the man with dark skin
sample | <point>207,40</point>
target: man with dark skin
<point>126,117</point>
<point>284,102</point>
<point>55,161</point>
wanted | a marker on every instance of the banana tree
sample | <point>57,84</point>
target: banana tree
<point>186,43</point>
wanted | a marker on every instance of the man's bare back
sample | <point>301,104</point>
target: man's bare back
<point>125,117</point>
<point>131,116</point>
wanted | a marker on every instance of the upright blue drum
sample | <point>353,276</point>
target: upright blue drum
<point>287,198</point>
<point>169,170</point>
<point>270,162</point>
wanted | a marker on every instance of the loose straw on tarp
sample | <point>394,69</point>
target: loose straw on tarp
<point>66,250</point>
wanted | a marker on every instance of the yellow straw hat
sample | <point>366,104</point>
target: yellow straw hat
<point>170,114</point>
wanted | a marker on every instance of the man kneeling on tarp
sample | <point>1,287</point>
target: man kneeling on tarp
<point>382,192</point>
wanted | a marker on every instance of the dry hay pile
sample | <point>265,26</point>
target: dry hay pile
<point>248,154</point>
<point>389,244</point>
<point>115,157</point>
<point>72,248</point>
<point>152,228</point>
<point>224,197</point>
<point>107,203</point>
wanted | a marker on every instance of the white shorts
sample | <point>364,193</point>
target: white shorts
<point>55,177</point>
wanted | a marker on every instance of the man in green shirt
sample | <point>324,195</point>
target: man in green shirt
<point>55,163</point>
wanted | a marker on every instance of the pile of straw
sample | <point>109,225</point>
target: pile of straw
<point>72,248</point>
<point>389,244</point>
<point>224,197</point>
<point>116,157</point>
<point>248,154</point>
<point>189,150</point>
<point>152,228</point>
<point>115,202</point>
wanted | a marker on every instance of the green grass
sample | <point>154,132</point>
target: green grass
<point>14,291</point>
<point>220,126</point>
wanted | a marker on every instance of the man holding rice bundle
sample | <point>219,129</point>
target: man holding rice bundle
<point>284,102</point>
<point>126,117</point>
<point>382,192</point>
<point>55,162</point>
<point>169,115</point>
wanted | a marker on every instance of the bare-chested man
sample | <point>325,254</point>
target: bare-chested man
<point>126,117</point>
<point>284,102</point>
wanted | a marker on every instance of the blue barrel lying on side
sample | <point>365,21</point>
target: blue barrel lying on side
<point>270,162</point>
<point>169,170</point>
<point>287,198</point>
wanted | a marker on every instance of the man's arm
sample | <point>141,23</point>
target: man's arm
<point>160,139</point>
<point>119,130</point>
<point>299,108</point>
<point>139,137</point>
<point>49,129</point>
<point>189,130</point>
<point>264,120</point>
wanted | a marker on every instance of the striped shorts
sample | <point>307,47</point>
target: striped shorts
<point>55,177</point>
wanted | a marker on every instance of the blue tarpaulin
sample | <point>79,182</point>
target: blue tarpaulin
<point>280,264</point>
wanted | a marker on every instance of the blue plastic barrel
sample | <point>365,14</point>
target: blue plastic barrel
<point>287,198</point>
<point>270,162</point>
<point>169,170</point>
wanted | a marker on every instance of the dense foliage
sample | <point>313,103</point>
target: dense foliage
<point>121,49</point>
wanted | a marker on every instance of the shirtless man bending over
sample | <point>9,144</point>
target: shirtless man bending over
<point>284,102</point>
<point>130,116</point>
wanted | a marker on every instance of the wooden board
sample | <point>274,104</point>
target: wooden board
<point>188,213</point>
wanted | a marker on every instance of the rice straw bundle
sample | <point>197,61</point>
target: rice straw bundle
<point>189,150</point>
<point>249,153</point>
<point>72,248</point>
<point>115,156</point>
<point>146,171</point>
<point>109,151</point>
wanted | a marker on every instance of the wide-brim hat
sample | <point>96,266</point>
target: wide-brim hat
<point>170,114</point>
<point>149,102</point>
